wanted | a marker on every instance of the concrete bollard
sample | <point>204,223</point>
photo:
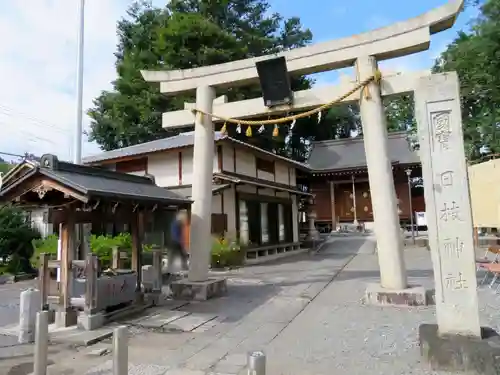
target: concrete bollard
<point>256,363</point>
<point>31,302</point>
<point>120,351</point>
<point>41,343</point>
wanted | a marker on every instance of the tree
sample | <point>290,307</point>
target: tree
<point>475,56</point>
<point>16,236</point>
<point>192,33</point>
<point>185,34</point>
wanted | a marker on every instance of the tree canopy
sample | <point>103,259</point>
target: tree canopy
<point>474,55</point>
<point>16,236</point>
<point>189,34</point>
<point>193,33</point>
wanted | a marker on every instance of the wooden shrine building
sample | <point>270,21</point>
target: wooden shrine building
<point>338,178</point>
<point>77,194</point>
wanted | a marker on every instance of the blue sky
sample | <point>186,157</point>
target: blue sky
<point>38,57</point>
<point>337,19</point>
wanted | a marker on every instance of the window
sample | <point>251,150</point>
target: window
<point>281,222</point>
<point>219,224</point>
<point>264,223</point>
<point>265,165</point>
<point>288,216</point>
<point>132,166</point>
<point>243,222</point>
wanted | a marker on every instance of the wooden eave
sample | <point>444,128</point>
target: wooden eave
<point>42,181</point>
<point>36,181</point>
<point>236,178</point>
<point>358,170</point>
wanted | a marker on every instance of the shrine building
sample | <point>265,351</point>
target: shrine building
<point>338,179</point>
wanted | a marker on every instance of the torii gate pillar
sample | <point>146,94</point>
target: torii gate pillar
<point>203,157</point>
<point>198,285</point>
<point>383,194</point>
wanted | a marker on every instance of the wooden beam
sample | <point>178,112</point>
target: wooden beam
<point>67,242</point>
<point>44,279</point>
<point>120,216</point>
<point>303,100</point>
<point>135,227</point>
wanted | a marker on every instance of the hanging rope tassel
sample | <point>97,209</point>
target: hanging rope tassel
<point>360,86</point>
<point>276,131</point>
<point>223,130</point>
<point>366,92</point>
<point>249,131</point>
<point>261,129</point>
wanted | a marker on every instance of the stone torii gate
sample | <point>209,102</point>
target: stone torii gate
<point>443,162</point>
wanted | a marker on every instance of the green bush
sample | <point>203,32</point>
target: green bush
<point>102,246</point>
<point>226,253</point>
<point>16,236</point>
<point>46,245</point>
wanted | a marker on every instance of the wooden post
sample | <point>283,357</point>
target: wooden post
<point>115,263</point>
<point>137,250</point>
<point>355,212</point>
<point>67,232</point>
<point>476,238</point>
<point>65,316</point>
<point>90,282</point>
<point>332,200</point>
<point>44,279</point>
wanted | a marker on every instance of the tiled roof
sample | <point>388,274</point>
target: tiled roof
<point>350,153</point>
<point>182,140</point>
<point>97,182</point>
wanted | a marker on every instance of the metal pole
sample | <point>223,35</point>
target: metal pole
<point>120,351</point>
<point>77,152</point>
<point>408,173</point>
<point>41,343</point>
<point>77,147</point>
<point>256,363</point>
<point>354,201</point>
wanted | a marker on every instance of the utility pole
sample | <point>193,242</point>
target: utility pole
<point>81,230</point>
<point>77,151</point>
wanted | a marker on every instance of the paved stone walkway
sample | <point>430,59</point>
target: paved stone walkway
<point>305,312</point>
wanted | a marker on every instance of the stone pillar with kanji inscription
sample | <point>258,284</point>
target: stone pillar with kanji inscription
<point>452,344</point>
<point>447,202</point>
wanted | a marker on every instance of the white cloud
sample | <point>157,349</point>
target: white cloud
<point>38,67</point>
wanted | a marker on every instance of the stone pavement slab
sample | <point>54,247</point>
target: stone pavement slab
<point>78,337</point>
<point>158,320</point>
<point>190,322</point>
<point>67,335</point>
<point>141,369</point>
<point>261,302</point>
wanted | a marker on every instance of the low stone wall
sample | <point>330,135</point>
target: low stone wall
<point>10,279</point>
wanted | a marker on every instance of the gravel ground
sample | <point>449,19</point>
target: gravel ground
<point>338,333</point>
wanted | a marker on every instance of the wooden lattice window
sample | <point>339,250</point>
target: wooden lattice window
<point>265,165</point>
<point>219,224</point>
